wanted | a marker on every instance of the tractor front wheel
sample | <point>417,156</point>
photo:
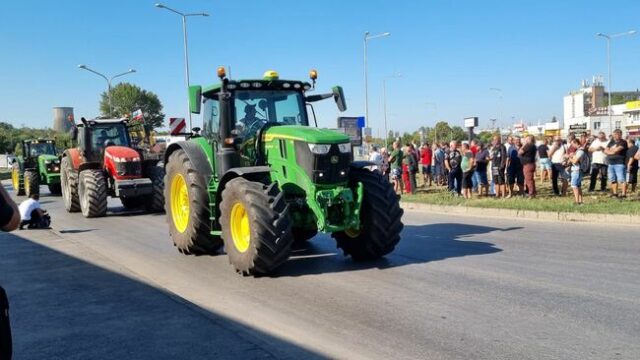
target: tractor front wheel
<point>69,184</point>
<point>155,201</point>
<point>187,207</point>
<point>256,226</point>
<point>93,193</point>
<point>31,183</point>
<point>380,218</point>
<point>18,187</point>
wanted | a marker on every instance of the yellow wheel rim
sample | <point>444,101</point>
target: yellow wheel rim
<point>15,179</point>
<point>352,233</point>
<point>240,230</point>
<point>179,197</point>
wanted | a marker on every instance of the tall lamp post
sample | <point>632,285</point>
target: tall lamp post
<point>186,54</point>
<point>608,38</point>
<point>435,124</point>
<point>109,80</point>
<point>384,102</point>
<point>499,92</point>
<point>368,37</point>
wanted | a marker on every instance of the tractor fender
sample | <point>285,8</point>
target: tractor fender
<point>74,155</point>
<point>253,173</point>
<point>362,164</point>
<point>92,165</point>
<point>195,154</point>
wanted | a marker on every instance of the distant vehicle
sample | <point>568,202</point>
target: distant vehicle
<point>38,165</point>
<point>105,164</point>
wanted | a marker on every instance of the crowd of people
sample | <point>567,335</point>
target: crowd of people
<point>512,168</point>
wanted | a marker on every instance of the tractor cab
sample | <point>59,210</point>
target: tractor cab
<point>94,136</point>
<point>32,149</point>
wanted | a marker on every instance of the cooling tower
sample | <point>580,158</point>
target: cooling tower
<point>61,121</point>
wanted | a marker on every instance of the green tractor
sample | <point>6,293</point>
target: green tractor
<point>257,178</point>
<point>38,165</point>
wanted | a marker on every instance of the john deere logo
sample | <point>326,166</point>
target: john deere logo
<point>334,159</point>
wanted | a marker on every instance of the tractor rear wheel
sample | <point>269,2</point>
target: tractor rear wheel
<point>380,218</point>
<point>18,186</point>
<point>155,201</point>
<point>187,207</point>
<point>256,226</point>
<point>55,189</point>
<point>92,191</point>
<point>69,184</point>
<point>31,183</point>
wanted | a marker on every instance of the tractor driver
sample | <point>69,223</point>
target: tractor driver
<point>250,120</point>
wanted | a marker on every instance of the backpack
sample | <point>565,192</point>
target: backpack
<point>585,163</point>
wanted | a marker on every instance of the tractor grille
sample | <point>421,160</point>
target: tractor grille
<point>330,168</point>
<point>129,168</point>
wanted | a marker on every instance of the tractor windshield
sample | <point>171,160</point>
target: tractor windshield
<point>37,149</point>
<point>112,134</point>
<point>255,108</point>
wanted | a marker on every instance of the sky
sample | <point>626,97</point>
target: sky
<point>449,53</point>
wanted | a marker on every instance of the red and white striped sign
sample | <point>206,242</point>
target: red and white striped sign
<point>177,125</point>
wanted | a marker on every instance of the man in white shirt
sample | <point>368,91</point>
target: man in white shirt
<point>31,213</point>
<point>558,153</point>
<point>376,158</point>
<point>598,162</point>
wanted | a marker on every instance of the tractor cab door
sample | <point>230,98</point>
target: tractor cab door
<point>211,125</point>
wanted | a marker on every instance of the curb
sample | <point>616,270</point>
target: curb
<point>524,214</point>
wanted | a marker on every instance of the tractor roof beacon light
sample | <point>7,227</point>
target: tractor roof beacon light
<point>222,73</point>
<point>313,74</point>
<point>271,75</point>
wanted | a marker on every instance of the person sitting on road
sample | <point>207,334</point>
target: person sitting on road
<point>31,213</point>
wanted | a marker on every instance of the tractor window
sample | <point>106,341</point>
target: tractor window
<point>211,118</point>
<point>37,149</point>
<point>254,108</point>
<point>113,134</point>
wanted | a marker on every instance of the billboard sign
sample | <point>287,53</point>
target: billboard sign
<point>351,126</point>
<point>471,122</point>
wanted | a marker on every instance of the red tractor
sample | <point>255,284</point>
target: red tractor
<point>104,164</point>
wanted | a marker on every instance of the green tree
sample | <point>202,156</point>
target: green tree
<point>458,133</point>
<point>127,98</point>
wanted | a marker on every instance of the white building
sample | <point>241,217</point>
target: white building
<point>583,110</point>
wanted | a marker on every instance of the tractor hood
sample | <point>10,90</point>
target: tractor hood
<point>45,157</point>
<point>306,134</point>
<point>121,152</point>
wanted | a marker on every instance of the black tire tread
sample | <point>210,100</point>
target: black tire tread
<point>197,239</point>
<point>33,179</point>
<point>270,226</point>
<point>155,202</point>
<point>70,180</point>
<point>55,189</point>
<point>94,202</point>
<point>380,216</point>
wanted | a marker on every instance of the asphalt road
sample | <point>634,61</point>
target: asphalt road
<point>455,288</point>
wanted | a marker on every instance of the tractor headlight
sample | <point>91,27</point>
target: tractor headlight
<point>345,148</point>
<point>319,149</point>
<point>48,162</point>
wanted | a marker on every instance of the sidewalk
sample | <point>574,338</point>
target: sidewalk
<point>70,303</point>
<point>524,214</point>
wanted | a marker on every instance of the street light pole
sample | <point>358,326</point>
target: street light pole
<point>499,92</point>
<point>108,80</point>
<point>368,37</point>
<point>608,38</point>
<point>186,51</point>
<point>384,102</point>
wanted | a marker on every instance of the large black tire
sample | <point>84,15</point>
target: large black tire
<point>31,183</point>
<point>195,237</point>
<point>55,189</point>
<point>155,202</point>
<point>69,184</point>
<point>268,221</point>
<point>92,191</point>
<point>380,218</point>
<point>17,180</point>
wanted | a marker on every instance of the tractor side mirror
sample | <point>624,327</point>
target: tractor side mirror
<point>195,98</point>
<point>338,96</point>
<point>74,133</point>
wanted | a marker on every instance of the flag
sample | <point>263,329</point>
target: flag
<point>137,115</point>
